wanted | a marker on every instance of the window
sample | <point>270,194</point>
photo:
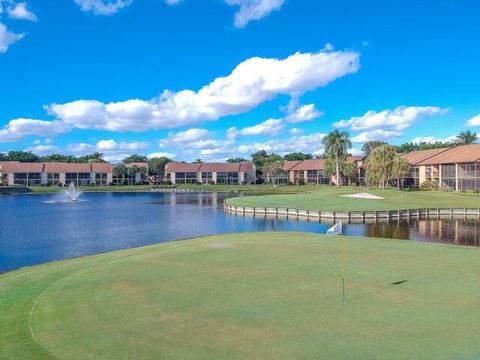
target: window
<point>428,172</point>
<point>449,177</point>
<point>186,177</point>
<point>53,179</point>
<point>101,179</point>
<point>207,177</point>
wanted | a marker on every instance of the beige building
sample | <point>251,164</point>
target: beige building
<point>57,174</point>
<point>313,172</point>
<point>210,173</point>
<point>454,169</point>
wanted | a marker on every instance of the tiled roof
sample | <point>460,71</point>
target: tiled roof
<point>420,156</point>
<point>181,167</point>
<point>102,167</point>
<point>289,164</point>
<point>458,154</point>
<point>13,166</point>
<point>313,164</point>
<point>67,167</point>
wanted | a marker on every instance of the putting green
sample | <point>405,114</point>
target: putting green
<point>248,296</point>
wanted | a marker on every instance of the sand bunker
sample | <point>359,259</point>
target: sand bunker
<point>364,196</point>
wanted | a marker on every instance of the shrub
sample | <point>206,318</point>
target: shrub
<point>301,182</point>
<point>289,183</point>
<point>429,185</point>
<point>167,182</point>
<point>198,183</point>
<point>211,182</point>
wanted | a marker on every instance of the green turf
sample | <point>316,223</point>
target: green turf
<point>248,296</point>
<point>329,199</point>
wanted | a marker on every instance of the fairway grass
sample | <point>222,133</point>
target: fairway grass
<point>248,296</point>
<point>325,198</point>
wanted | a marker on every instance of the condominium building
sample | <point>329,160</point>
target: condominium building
<point>210,173</point>
<point>59,174</point>
<point>313,172</point>
<point>455,169</point>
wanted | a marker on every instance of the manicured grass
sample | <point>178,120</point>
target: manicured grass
<point>113,188</point>
<point>248,296</point>
<point>222,188</point>
<point>329,198</point>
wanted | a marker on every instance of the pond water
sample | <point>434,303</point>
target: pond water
<point>34,229</point>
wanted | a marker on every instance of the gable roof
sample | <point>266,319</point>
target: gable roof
<point>208,167</point>
<point>458,154</point>
<point>420,156</point>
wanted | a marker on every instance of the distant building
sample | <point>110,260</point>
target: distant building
<point>455,169</point>
<point>312,171</point>
<point>60,174</point>
<point>210,173</point>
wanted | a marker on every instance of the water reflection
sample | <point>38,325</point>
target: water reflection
<point>33,232</point>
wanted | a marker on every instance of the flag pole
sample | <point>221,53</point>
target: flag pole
<point>342,265</point>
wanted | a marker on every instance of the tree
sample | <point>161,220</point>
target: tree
<point>198,161</point>
<point>156,166</point>
<point>272,168</point>
<point>135,158</point>
<point>466,138</point>
<point>132,171</point>
<point>346,169</point>
<point>96,157</point>
<point>23,156</point>
<point>297,156</point>
<point>120,171</point>
<point>59,158</point>
<point>336,145</point>
<point>384,165</point>
<point>259,158</point>
<point>236,160</point>
<point>368,147</point>
<point>3,157</point>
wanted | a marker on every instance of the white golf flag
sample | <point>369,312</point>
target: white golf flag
<point>335,229</point>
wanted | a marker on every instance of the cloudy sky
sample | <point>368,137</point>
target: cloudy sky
<point>213,79</point>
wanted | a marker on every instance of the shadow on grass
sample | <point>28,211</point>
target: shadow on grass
<point>393,284</point>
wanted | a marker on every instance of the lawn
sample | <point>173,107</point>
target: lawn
<point>248,296</point>
<point>329,199</point>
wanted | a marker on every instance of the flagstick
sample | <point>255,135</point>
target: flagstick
<point>342,262</point>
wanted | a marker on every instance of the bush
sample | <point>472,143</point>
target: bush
<point>301,182</point>
<point>429,185</point>
<point>289,183</point>
<point>198,183</point>
<point>211,182</point>
<point>167,182</point>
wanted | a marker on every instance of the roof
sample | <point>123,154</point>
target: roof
<point>313,164</point>
<point>18,167</point>
<point>137,164</point>
<point>458,154</point>
<point>420,156</point>
<point>209,167</point>
<point>289,164</point>
<point>55,167</point>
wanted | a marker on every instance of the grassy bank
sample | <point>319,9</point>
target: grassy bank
<point>247,296</point>
<point>329,199</point>
<point>223,188</point>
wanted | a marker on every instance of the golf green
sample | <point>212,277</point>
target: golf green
<point>248,296</point>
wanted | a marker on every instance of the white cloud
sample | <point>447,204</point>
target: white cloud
<point>17,129</point>
<point>20,12</point>
<point>112,150</point>
<point>7,38</point>
<point>303,114</point>
<point>296,131</point>
<point>433,139</point>
<point>173,2</point>
<point>111,145</point>
<point>161,154</point>
<point>474,121</point>
<point>378,134</point>
<point>253,10</point>
<point>396,120</point>
<point>193,139</point>
<point>103,7</point>
<point>43,149</point>
<point>268,127</point>
<point>250,84</point>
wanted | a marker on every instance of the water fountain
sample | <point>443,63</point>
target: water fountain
<point>72,192</point>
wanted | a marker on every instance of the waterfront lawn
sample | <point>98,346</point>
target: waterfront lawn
<point>248,296</point>
<point>328,198</point>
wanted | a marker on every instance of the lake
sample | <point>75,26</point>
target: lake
<point>34,229</point>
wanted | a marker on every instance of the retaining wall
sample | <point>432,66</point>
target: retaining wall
<point>355,216</point>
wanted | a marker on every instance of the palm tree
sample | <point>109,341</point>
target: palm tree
<point>466,137</point>
<point>336,145</point>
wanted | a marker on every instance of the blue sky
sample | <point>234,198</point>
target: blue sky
<point>212,79</point>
